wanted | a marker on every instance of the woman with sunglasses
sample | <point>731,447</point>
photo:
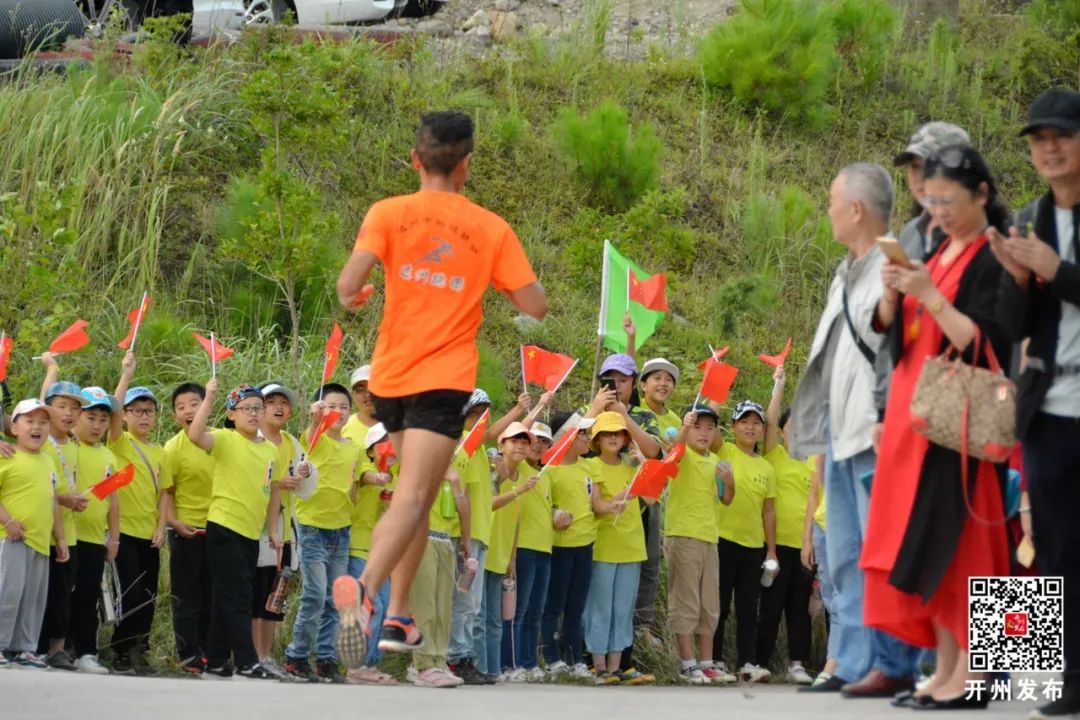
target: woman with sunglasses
<point>927,533</point>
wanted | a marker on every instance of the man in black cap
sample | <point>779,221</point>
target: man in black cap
<point>1040,301</point>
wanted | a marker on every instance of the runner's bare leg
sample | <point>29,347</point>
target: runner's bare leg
<point>398,541</point>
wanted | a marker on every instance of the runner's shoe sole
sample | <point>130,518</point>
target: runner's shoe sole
<point>355,616</point>
<point>394,638</point>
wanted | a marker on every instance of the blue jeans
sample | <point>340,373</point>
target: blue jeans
<point>571,571</point>
<point>821,553</point>
<point>324,556</point>
<point>381,602</point>
<point>533,573</point>
<point>490,660</point>
<point>465,610</point>
<point>609,607</point>
<point>861,648</point>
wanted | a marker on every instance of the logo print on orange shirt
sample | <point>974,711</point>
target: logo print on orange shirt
<point>436,255</point>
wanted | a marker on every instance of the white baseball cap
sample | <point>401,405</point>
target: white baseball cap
<point>542,430</point>
<point>278,389</point>
<point>25,407</point>
<point>375,435</point>
<point>359,375</point>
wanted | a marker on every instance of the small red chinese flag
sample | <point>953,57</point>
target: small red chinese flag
<point>475,438</point>
<point>719,377</point>
<point>777,360</point>
<point>333,351</point>
<point>5,355</point>
<point>213,348</point>
<point>325,424</point>
<point>544,368</point>
<point>384,451</point>
<point>555,454</point>
<point>675,455</point>
<point>651,293</point>
<point>717,355</point>
<point>71,339</point>
<point>113,482</point>
<point>135,317</point>
<point>653,478</point>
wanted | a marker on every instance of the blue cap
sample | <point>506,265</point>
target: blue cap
<point>241,392</point>
<point>619,362</point>
<point>95,397</point>
<point>477,399</point>
<point>139,393</point>
<point>64,388</point>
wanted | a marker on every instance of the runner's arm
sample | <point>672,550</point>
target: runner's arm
<point>354,276</point>
<point>530,299</point>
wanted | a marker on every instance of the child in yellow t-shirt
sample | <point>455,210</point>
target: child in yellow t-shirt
<point>187,503</point>
<point>789,593</point>
<point>29,516</point>
<point>143,514</point>
<point>325,524</point>
<point>617,554</point>
<point>690,545</point>
<point>65,398</point>
<point>747,537</point>
<point>571,552</point>
<point>244,490</point>
<point>97,528</point>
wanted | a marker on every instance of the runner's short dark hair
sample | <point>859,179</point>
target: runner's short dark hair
<point>443,140</point>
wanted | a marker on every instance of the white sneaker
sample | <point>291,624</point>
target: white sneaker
<point>437,678</point>
<point>534,675</point>
<point>754,673</point>
<point>581,670</point>
<point>272,668</point>
<point>693,675</point>
<point>558,668</point>
<point>89,664</point>
<point>717,674</point>
<point>797,674</point>
<point>4,662</point>
<point>517,675</point>
<point>411,674</point>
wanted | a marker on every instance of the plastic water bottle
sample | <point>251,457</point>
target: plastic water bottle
<point>722,465</point>
<point>447,508</point>
<point>509,599</point>
<point>275,603</point>
<point>467,575</point>
<point>770,569</point>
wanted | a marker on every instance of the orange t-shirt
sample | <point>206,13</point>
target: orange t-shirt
<point>440,251</point>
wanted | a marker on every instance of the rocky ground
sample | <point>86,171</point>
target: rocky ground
<point>634,25</point>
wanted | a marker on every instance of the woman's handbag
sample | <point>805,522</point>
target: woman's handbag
<point>966,408</point>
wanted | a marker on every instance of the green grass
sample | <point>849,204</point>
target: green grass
<point>115,180</point>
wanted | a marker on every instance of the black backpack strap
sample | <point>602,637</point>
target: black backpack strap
<point>867,353</point>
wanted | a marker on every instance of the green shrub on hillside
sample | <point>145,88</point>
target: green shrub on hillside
<point>616,163</point>
<point>865,33</point>
<point>775,54</point>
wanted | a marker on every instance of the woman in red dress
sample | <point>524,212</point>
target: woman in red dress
<point>922,542</point>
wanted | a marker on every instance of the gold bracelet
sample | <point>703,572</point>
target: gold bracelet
<point>936,307</point>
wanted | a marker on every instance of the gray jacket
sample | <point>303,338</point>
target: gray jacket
<point>843,400</point>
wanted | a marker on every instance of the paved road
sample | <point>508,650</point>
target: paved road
<point>41,695</point>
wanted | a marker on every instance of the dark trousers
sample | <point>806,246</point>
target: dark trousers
<point>1052,464</point>
<point>138,564</point>
<point>740,575</point>
<point>232,570</point>
<point>57,619</point>
<point>571,571</point>
<point>189,569</point>
<point>84,598</point>
<point>533,573</point>
<point>789,595</point>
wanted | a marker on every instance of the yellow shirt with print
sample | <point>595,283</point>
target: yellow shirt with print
<point>669,423</point>
<point>92,524</point>
<point>192,472</point>
<point>621,541</point>
<point>243,472</point>
<point>792,491</point>
<point>476,478</point>
<point>139,498</point>
<point>369,508</point>
<point>355,430</point>
<point>819,514</point>
<point>692,498</point>
<point>504,524</point>
<point>755,481</point>
<point>571,491</point>
<point>330,506</point>
<point>65,457</point>
<point>27,482</point>
<point>536,531</point>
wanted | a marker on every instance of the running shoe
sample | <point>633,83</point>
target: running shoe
<point>797,675</point>
<point>60,661</point>
<point>718,674</point>
<point>327,671</point>
<point>89,664</point>
<point>30,661</point>
<point>298,670</point>
<point>270,666</point>
<point>400,634</point>
<point>355,610</point>
<point>693,675</point>
<point>754,673</point>
<point>631,676</point>
<point>254,672</point>
<point>437,678</point>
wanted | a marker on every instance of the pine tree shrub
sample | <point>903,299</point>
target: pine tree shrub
<point>778,55</point>
<point>865,36</point>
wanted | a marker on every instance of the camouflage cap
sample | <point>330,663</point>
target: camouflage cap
<point>929,139</point>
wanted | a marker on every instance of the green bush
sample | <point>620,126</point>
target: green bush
<point>615,163</point>
<point>864,36</point>
<point>778,55</point>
